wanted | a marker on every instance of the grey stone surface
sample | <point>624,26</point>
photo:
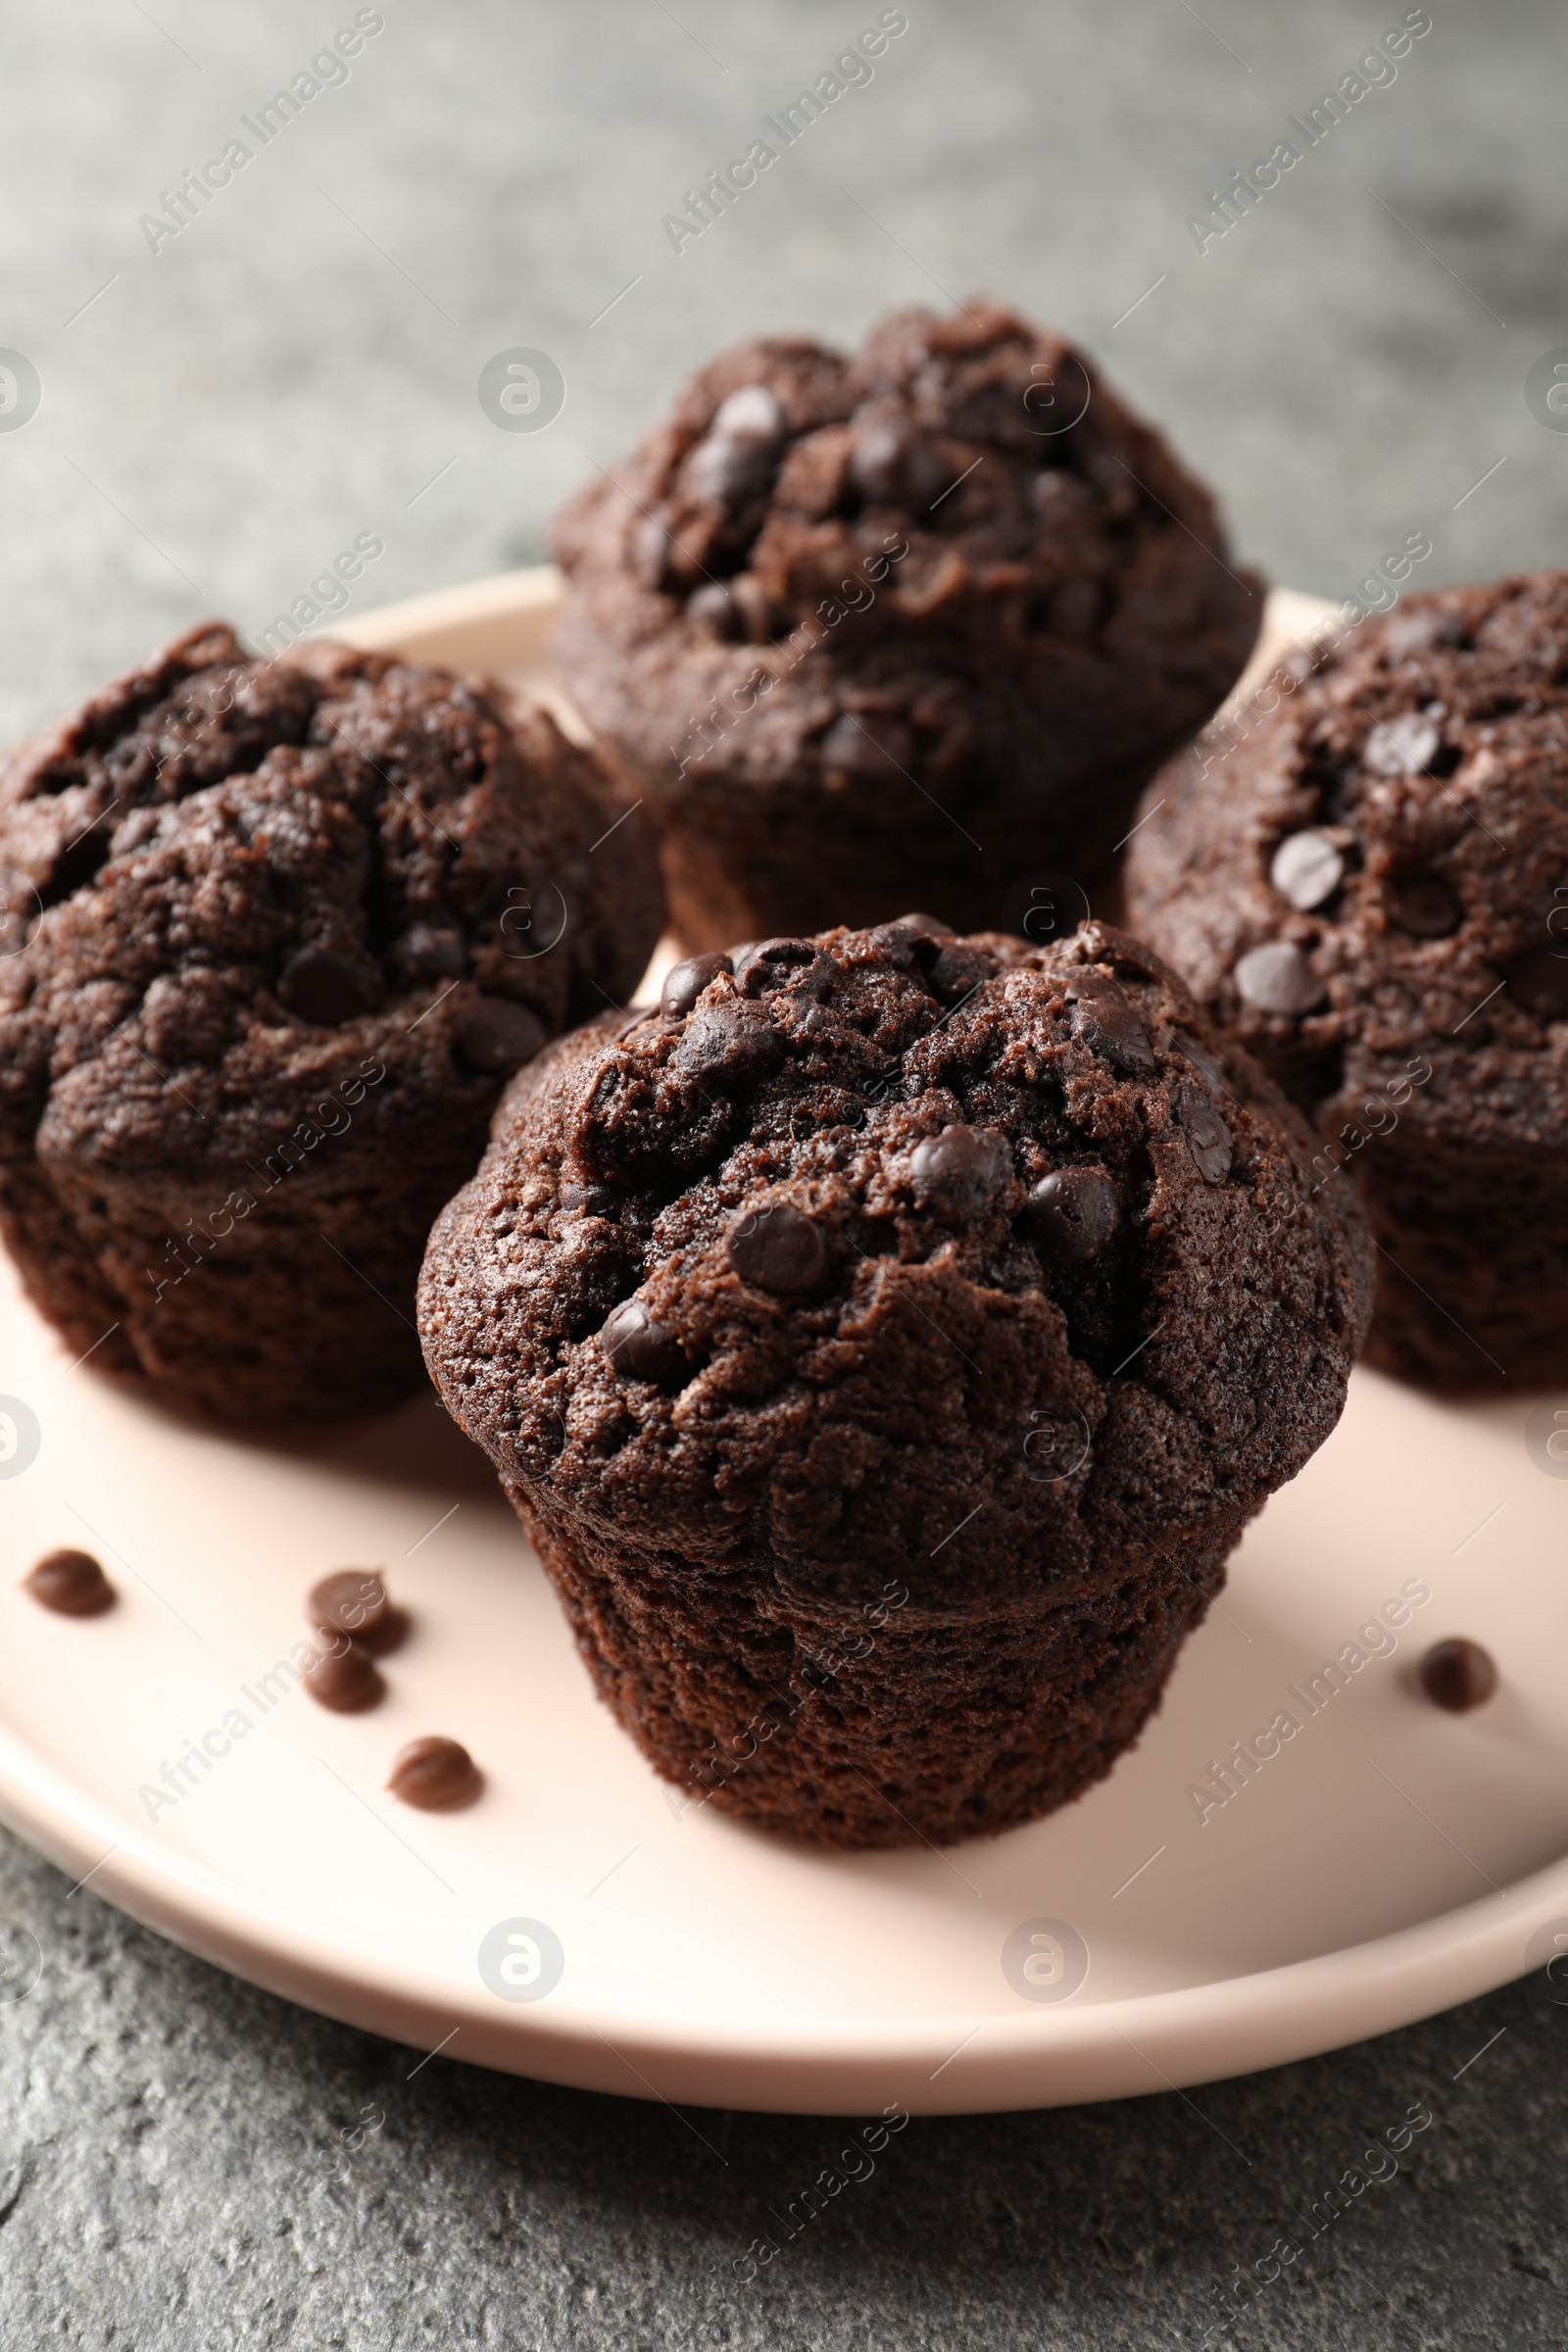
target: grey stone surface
<point>296,366</point>
<point>173,2178</point>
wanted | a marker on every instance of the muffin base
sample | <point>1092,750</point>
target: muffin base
<point>882,1727</point>
<point>1473,1247</point>
<point>303,1310</point>
<point>736,869</point>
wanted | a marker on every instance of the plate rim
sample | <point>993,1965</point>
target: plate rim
<point>1212,2032</point>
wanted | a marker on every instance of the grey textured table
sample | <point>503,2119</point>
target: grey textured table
<point>222,410</point>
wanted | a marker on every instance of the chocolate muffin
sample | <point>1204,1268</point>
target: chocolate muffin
<point>913,626</point>
<point>274,934</point>
<point>885,1345</point>
<point>1370,891</point>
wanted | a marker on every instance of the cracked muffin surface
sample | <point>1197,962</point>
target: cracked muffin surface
<point>885,1344</point>
<point>277,933</point>
<point>875,629</point>
<point>1370,891</point>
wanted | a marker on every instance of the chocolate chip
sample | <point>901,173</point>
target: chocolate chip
<point>961,969</point>
<point>685,982</point>
<point>1083,982</point>
<point>1208,1140</point>
<point>713,608</point>
<point>890,465</point>
<point>1540,983</point>
<point>753,413</point>
<point>1117,1033</point>
<point>737,1042</point>
<point>1212,1068</point>
<point>1277,978</point>
<point>1074,1213</point>
<point>798,964</point>
<point>875,749</point>
<point>640,1348</point>
<point>1402,746</point>
<point>435,1774</point>
<point>355,1601</point>
<point>1422,904</point>
<point>1307,868</point>
<point>71,1584</point>
<point>352,1600</point>
<point>320,986</point>
<point>914,939</point>
<point>876,458</point>
<point>345,1678</point>
<point>727,470</point>
<point>429,951</point>
<point>1060,497</point>
<point>923,926</point>
<point>1458,1675</point>
<point>779,1248</point>
<point>1108,1021</point>
<point>496,1036</point>
<point>962,1170</point>
<point>1417,632</point>
<point>390,1635</point>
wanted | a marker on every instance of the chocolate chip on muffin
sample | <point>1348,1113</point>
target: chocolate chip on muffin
<point>641,1348</point>
<point>1208,1140</point>
<point>1307,867</point>
<point>1074,1211</point>
<point>498,1036</point>
<point>1103,1017</point>
<point>1276,977</point>
<point>960,1171</point>
<point>255,1037</point>
<point>1371,892</point>
<point>685,981</point>
<point>325,988</point>
<point>869,630</point>
<point>1538,982</point>
<point>995,1304</point>
<point>777,1249</point>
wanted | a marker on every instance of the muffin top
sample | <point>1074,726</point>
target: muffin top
<point>223,880</point>
<point>889,1252</point>
<point>967,482</point>
<point>1371,889</point>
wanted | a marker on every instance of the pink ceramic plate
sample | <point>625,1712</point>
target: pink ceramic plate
<point>584,1924</point>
